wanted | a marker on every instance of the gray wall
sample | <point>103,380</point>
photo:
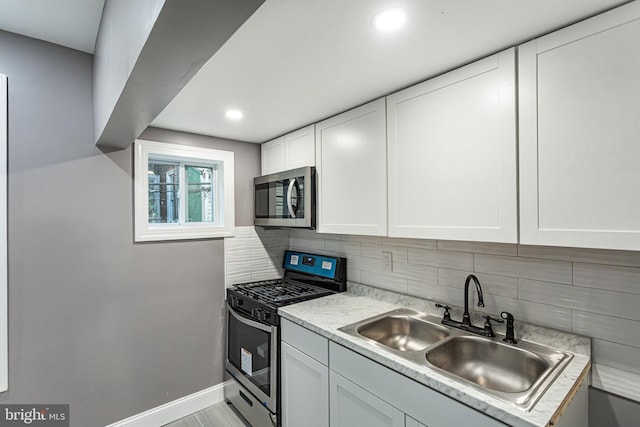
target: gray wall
<point>608,410</point>
<point>110,327</point>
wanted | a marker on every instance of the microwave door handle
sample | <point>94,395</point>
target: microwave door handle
<point>292,212</point>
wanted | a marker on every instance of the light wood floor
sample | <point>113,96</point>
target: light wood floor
<point>219,415</point>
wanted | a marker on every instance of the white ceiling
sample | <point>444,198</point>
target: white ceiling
<point>296,62</point>
<point>70,23</point>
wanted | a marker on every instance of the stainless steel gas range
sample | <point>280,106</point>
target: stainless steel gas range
<point>253,330</point>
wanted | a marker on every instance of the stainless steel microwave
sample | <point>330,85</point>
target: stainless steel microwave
<point>286,199</point>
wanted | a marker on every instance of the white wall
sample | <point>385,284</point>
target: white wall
<point>589,292</point>
<point>124,29</point>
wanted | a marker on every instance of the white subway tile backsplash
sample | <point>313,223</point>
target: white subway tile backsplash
<point>375,240</point>
<point>529,268</point>
<point>302,233</point>
<point>585,299</point>
<point>416,272</point>
<point>491,284</point>
<point>530,312</point>
<point>591,292</point>
<point>363,263</point>
<point>479,247</point>
<point>249,256</point>
<point>435,292</point>
<point>303,244</point>
<point>622,279</point>
<point>444,259</point>
<point>453,278</point>
<point>595,256</point>
<point>616,381</point>
<point>622,331</point>
<point>238,277</point>
<point>399,253</point>
<point>410,243</point>
<point>384,281</point>
<point>342,247</point>
<point>616,355</point>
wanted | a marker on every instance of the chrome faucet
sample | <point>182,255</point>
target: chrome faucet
<point>466,325</point>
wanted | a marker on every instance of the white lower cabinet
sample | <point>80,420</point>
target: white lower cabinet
<point>325,384</point>
<point>305,377</point>
<point>352,406</point>
<point>305,389</point>
<point>418,404</point>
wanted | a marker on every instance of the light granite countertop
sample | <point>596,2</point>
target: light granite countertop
<point>326,315</point>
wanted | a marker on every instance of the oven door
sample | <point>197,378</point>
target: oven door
<point>252,356</point>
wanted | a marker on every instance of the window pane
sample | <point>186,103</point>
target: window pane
<point>164,186</point>
<point>199,194</point>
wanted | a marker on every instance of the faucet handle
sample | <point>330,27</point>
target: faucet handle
<point>488,329</point>
<point>447,316</point>
<point>510,337</point>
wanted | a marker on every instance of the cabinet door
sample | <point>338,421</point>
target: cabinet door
<point>351,169</point>
<point>300,148</point>
<point>452,155</point>
<point>305,390</point>
<point>352,406</point>
<point>272,156</point>
<point>579,98</point>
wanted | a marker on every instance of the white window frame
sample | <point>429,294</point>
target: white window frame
<point>4,248</point>
<point>224,215</point>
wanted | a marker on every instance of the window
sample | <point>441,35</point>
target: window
<point>182,192</point>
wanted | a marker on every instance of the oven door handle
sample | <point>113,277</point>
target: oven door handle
<point>248,322</point>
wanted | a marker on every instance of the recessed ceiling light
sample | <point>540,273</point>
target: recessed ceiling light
<point>389,19</point>
<point>234,114</point>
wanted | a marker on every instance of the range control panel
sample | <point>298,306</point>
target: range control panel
<point>312,264</point>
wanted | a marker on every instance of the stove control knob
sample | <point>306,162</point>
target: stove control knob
<point>264,315</point>
<point>234,302</point>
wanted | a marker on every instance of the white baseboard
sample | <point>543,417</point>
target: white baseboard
<point>175,410</point>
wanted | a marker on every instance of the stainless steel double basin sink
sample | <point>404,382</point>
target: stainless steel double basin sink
<point>518,374</point>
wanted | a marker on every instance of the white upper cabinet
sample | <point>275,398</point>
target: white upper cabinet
<point>452,155</point>
<point>272,156</point>
<point>579,110</point>
<point>300,148</point>
<point>291,151</point>
<point>351,169</point>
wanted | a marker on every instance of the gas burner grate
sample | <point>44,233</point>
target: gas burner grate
<point>280,292</point>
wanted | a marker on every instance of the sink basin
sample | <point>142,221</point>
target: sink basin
<point>518,374</point>
<point>489,364</point>
<point>401,330</point>
<point>514,373</point>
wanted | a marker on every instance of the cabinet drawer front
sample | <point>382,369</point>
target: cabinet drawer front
<point>306,341</point>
